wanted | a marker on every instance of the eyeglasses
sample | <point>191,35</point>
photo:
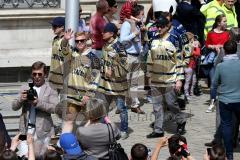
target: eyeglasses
<point>80,40</point>
<point>35,74</point>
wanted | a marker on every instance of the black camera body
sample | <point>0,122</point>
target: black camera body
<point>31,93</point>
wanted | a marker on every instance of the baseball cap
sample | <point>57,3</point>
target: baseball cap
<point>111,3</point>
<point>69,143</point>
<point>162,21</point>
<point>110,27</point>
<point>58,21</point>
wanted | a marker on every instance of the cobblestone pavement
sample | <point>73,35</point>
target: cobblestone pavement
<point>200,125</point>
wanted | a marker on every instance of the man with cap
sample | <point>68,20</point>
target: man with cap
<point>56,67</point>
<point>72,149</point>
<point>165,80</point>
<point>113,82</point>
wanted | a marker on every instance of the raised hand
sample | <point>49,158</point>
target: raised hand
<point>68,34</point>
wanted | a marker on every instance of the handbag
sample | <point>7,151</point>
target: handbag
<point>116,152</point>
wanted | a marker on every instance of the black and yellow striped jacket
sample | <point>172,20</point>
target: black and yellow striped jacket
<point>83,76</point>
<point>83,79</point>
<point>56,67</point>
<point>163,64</point>
<point>114,61</point>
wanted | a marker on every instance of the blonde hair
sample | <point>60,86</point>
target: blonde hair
<point>77,34</point>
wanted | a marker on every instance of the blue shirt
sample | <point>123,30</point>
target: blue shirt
<point>227,77</point>
<point>127,38</point>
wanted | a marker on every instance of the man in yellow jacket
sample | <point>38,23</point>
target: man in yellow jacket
<point>229,11</point>
<point>211,11</point>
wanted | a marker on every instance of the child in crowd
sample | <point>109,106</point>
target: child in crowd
<point>193,47</point>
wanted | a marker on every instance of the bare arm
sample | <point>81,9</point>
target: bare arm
<point>31,155</point>
<point>162,142</point>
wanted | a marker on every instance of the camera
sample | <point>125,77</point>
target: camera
<point>22,137</point>
<point>31,93</point>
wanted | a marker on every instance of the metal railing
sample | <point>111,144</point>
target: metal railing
<point>28,4</point>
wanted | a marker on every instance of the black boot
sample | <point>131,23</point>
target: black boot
<point>181,128</point>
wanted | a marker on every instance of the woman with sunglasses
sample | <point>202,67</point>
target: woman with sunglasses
<point>83,75</point>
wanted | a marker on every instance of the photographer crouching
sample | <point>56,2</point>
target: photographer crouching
<point>37,100</point>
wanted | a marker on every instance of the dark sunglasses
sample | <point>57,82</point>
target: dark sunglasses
<point>35,74</point>
<point>80,40</point>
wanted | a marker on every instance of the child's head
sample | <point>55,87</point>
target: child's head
<point>139,152</point>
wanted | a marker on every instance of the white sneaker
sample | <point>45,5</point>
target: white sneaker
<point>124,135</point>
<point>210,108</point>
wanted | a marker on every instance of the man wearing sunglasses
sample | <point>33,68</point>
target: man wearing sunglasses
<point>82,78</point>
<point>36,113</point>
<point>166,80</point>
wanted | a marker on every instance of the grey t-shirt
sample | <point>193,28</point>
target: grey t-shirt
<point>94,139</point>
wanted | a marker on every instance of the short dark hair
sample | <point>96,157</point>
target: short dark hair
<point>217,152</point>
<point>52,155</point>
<point>230,47</point>
<point>173,143</point>
<point>139,152</point>
<point>8,155</point>
<point>136,10</point>
<point>38,65</point>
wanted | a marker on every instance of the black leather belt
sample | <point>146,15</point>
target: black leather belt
<point>133,54</point>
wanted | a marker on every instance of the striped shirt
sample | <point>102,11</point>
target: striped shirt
<point>162,64</point>
<point>115,63</point>
<point>56,66</point>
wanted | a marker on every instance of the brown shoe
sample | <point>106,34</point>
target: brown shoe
<point>118,111</point>
<point>137,110</point>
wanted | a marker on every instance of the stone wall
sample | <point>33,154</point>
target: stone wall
<point>26,35</point>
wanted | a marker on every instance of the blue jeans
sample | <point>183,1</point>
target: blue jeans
<point>120,102</point>
<point>213,87</point>
<point>226,113</point>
